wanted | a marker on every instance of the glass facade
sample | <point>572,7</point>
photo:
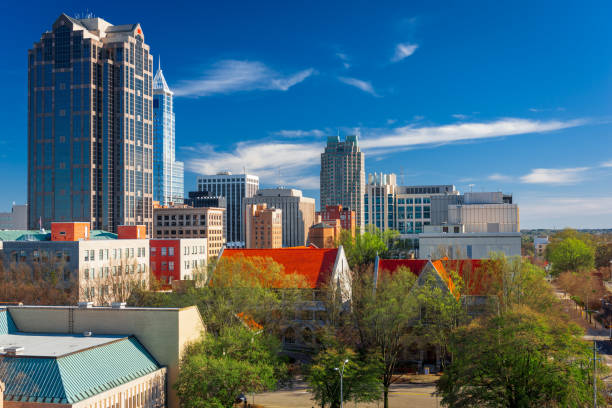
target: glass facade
<point>90,125</point>
<point>167,172</point>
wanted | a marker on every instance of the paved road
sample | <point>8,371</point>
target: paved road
<point>401,395</point>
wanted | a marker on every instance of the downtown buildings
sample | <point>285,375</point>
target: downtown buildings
<point>167,172</point>
<point>264,226</point>
<point>343,176</point>
<point>90,125</point>
<point>298,212</point>
<point>235,188</point>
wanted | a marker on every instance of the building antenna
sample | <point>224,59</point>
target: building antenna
<point>471,186</point>
<point>402,175</point>
<point>159,63</point>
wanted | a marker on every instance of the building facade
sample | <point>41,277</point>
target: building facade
<point>182,221</point>
<point>178,259</point>
<point>90,125</point>
<point>471,245</point>
<point>235,188</point>
<point>324,234</point>
<point>168,174</point>
<point>343,176</point>
<point>17,219</point>
<point>406,209</point>
<point>100,267</point>
<point>264,226</point>
<point>298,212</point>
<point>335,213</point>
<point>163,332</point>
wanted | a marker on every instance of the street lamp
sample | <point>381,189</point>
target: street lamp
<point>341,377</point>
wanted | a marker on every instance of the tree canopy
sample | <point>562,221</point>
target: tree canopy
<point>570,254</point>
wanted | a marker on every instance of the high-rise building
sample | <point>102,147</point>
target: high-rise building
<point>90,125</point>
<point>234,187</point>
<point>264,226</point>
<point>298,212</point>
<point>343,175</point>
<point>167,172</point>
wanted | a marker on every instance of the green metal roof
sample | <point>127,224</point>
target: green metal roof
<point>36,235</point>
<point>77,376</point>
<point>6,322</point>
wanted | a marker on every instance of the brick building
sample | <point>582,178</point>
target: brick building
<point>178,259</point>
<point>263,226</point>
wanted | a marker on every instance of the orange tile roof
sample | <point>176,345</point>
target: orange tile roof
<point>314,264</point>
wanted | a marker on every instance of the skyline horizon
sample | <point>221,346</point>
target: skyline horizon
<point>509,133</point>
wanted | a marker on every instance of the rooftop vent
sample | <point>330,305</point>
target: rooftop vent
<point>85,305</point>
<point>13,350</point>
<point>118,305</point>
<point>87,334</point>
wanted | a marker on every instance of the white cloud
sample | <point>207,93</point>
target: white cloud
<point>403,50</point>
<point>266,159</point>
<point>365,86</point>
<point>412,136</point>
<point>559,212</point>
<point>345,59</point>
<point>459,116</point>
<point>499,177</point>
<point>299,161</point>
<point>229,76</point>
<point>298,133</point>
<point>554,176</point>
<point>607,164</point>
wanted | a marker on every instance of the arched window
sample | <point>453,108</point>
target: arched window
<point>289,337</point>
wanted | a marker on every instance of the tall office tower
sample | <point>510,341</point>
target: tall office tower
<point>298,212</point>
<point>167,172</point>
<point>343,176</point>
<point>234,187</point>
<point>90,125</point>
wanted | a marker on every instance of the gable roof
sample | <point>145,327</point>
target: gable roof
<point>314,264</point>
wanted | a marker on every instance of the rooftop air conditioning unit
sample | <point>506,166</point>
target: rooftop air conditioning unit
<point>87,334</point>
<point>118,305</point>
<point>14,350</point>
<point>85,305</point>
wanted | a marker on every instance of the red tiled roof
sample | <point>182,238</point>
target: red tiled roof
<point>391,265</point>
<point>314,264</point>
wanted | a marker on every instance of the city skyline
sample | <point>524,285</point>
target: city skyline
<point>467,109</point>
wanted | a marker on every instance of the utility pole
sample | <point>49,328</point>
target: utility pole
<point>594,373</point>
<point>341,378</point>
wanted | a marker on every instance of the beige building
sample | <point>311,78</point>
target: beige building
<point>153,338</point>
<point>102,267</point>
<point>182,221</point>
<point>343,176</point>
<point>324,234</point>
<point>298,212</point>
<point>264,226</point>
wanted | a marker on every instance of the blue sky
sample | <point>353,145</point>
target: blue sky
<point>499,95</point>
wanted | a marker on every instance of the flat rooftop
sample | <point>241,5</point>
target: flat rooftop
<point>53,345</point>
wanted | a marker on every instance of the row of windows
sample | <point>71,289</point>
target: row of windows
<point>115,270</point>
<point>115,253</point>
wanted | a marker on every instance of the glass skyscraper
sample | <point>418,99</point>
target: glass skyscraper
<point>167,172</point>
<point>90,125</point>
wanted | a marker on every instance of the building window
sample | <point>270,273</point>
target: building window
<point>171,266</point>
<point>163,251</point>
<point>171,251</point>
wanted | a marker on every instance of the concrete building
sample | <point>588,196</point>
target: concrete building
<point>178,259</point>
<point>168,174</point>
<point>77,370</point>
<point>406,209</point>
<point>264,226</point>
<point>182,221</point>
<point>335,213</point>
<point>343,176</point>
<point>162,334</point>
<point>235,188</point>
<point>298,212</point>
<point>90,125</point>
<point>17,219</point>
<point>471,245</point>
<point>539,247</point>
<point>324,234</point>
<point>101,267</point>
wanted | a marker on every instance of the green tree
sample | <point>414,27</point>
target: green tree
<point>519,359</point>
<point>382,314</point>
<point>603,255</point>
<point>216,370</point>
<point>361,250</point>
<point>360,383</point>
<point>570,254</point>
